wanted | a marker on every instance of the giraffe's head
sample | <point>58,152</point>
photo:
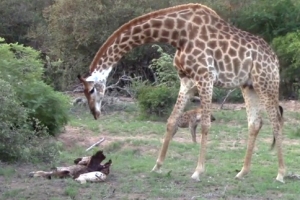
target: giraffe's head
<point>94,90</point>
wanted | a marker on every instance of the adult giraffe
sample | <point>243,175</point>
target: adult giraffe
<point>210,52</point>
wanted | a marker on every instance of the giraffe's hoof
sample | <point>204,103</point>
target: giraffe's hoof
<point>156,168</point>
<point>242,174</point>
<point>279,178</point>
<point>196,176</point>
<point>238,178</point>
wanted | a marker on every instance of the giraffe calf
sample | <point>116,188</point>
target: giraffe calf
<point>190,119</point>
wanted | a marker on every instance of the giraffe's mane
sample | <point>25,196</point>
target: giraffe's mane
<point>140,19</point>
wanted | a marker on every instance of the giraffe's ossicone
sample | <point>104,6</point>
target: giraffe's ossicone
<point>210,52</point>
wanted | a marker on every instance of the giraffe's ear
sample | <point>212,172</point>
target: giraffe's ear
<point>79,77</point>
<point>82,80</point>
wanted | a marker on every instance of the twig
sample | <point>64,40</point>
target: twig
<point>227,95</point>
<point>96,144</point>
<point>124,77</point>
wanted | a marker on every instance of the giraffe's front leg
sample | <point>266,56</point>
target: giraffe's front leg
<point>205,92</point>
<point>171,129</point>
<point>183,96</point>
<point>254,125</point>
<point>205,126</point>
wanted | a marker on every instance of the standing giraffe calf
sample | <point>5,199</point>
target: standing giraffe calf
<point>190,119</point>
<point>210,52</point>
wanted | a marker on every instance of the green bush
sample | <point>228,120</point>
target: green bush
<point>18,141</point>
<point>269,18</point>
<point>288,50</point>
<point>46,105</point>
<point>22,68</point>
<point>164,68</point>
<point>157,101</point>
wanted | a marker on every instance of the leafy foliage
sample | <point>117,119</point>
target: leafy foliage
<point>18,141</point>
<point>156,101</point>
<point>270,18</point>
<point>50,107</point>
<point>288,50</point>
<point>16,18</point>
<point>21,67</point>
<point>164,68</point>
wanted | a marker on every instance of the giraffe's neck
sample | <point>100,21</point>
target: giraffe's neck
<point>175,26</point>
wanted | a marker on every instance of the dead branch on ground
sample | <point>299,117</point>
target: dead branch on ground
<point>96,144</point>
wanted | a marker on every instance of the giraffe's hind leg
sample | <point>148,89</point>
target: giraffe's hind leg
<point>271,103</point>
<point>253,109</point>
<point>184,94</point>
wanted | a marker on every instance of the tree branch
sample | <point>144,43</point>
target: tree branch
<point>227,95</point>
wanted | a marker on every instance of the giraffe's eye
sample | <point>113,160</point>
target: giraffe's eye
<point>92,90</point>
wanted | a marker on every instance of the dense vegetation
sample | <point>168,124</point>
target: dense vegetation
<point>30,109</point>
<point>66,34</point>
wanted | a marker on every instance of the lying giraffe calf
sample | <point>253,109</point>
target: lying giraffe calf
<point>86,169</point>
<point>190,119</point>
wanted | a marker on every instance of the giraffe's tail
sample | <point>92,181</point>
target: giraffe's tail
<point>281,119</point>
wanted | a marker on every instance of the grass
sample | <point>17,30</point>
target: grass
<point>135,147</point>
<point>71,190</point>
<point>7,172</point>
<point>118,123</point>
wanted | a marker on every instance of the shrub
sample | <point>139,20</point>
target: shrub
<point>22,68</point>
<point>288,50</point>
<point>18,141</point>
<point>46,105</point>
<point>156,100</point>
<point>164,69</point>
<point>269,18</point>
